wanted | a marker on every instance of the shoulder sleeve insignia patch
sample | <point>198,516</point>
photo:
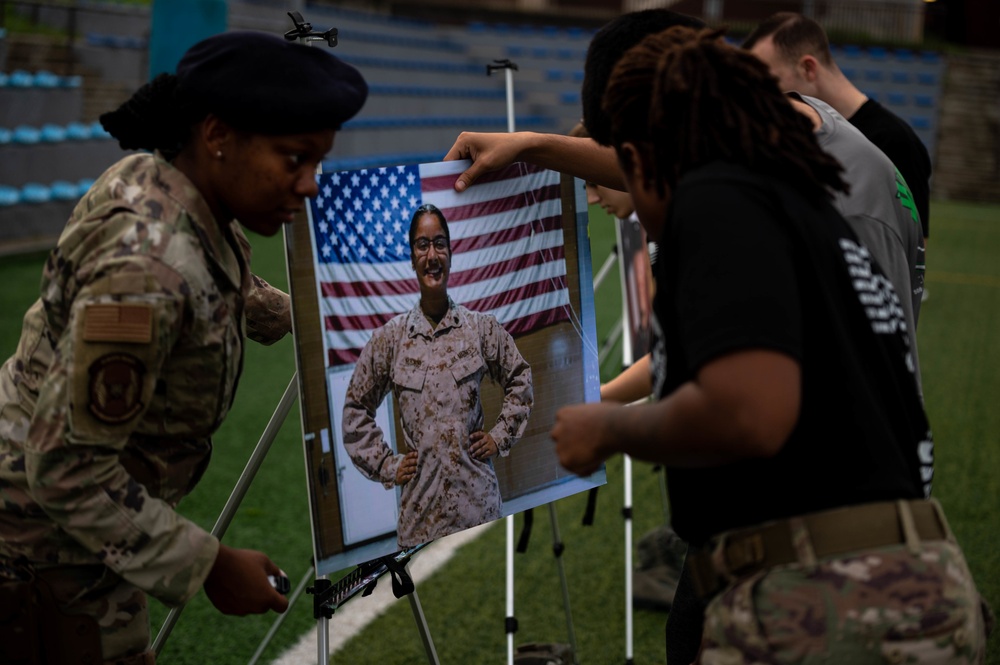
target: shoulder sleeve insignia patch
<point>115,393</point>
<point>115,322</point>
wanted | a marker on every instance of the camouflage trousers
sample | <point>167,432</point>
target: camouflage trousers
<point>119,608</point>
<point>886,605</point>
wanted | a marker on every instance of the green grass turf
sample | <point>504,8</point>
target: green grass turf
<point>464,602</point>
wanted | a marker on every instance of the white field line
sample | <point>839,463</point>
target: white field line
<point>359,612</point>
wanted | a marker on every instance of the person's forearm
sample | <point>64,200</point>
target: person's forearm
<point>633,384</point>
<point>579,157</point>
<point>700,433</point>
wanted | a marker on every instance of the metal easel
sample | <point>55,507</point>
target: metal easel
<point>510,622</point>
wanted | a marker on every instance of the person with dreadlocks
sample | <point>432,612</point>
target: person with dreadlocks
<point>798,453</point>
<point>130,358</point>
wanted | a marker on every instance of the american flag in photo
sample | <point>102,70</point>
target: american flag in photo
<point>508,257</point>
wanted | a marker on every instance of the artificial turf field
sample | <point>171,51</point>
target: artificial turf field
<point>959,343</point>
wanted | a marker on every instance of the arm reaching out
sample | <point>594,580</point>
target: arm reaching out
<point>578,156</point>
<point>740,406</point>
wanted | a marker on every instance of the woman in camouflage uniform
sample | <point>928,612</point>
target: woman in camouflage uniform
<point>129,360</point>
<point>433,358</point>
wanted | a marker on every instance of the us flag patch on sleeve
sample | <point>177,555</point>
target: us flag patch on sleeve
<point>117,322</point>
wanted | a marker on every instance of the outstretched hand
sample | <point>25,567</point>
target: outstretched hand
<point>581,435</point>
<point>238,583</point>
<point>488,152</point>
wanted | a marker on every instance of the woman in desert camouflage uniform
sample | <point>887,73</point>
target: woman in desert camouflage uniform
<point>433,359</point>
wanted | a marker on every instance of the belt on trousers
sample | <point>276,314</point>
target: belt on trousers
<point>742,552</point>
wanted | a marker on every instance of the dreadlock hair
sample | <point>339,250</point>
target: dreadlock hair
<point>686,98</point>
<point>794,36</point>
<point>606,47</point>
<point>155,117</point>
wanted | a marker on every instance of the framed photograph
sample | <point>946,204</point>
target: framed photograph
<point>519,252</point>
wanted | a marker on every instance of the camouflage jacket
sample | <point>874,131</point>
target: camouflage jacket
<point>435,376</point>
<point>126,365</point>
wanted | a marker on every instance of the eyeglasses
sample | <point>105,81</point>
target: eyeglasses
<point>423,245</point>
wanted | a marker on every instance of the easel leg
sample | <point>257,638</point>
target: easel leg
<point>511,622</point>
<point>281,617</point>
<point>627,512</point>
<point>557,550</point>
<point>425,633</point>
<point>240,490</point>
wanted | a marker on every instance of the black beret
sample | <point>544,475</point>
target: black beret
<point>263,83</point>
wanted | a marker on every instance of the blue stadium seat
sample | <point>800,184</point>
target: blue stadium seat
<point>62,190</point>
<point>927,78</point>
<point>46,79</point>
<point>874,75</point>
<point>930,57</point>
<point>850,73</point>
<point>9,195</point>
<point>877,53</point>
<point>77,131</point>
<point>920,122</point>
<point>923,100</point>
<point>97,131</point>
<point>851,51</point>
<point>903,55</point>
<point>4,80</point>
<point>896,99</point>
<point>25,135</point>
<point>6,136</point>
<point>51,133</point>
<point>20,79</point>
<point>35,192</point>
<point>900,77</point>
<point>83,185</point>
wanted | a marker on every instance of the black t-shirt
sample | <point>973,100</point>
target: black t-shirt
<point>900,143</point>
<point>746,262</point>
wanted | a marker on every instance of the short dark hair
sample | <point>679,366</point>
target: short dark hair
<point>794,35</point>
<point>607,47</point>
<point>429,209</point>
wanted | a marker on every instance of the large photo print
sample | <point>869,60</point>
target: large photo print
<point>437,333</point>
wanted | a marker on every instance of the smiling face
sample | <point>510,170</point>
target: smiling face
<point>263,180</point>
<point>430,254</point>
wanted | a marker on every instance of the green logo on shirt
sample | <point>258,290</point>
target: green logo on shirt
<point>906,197</point>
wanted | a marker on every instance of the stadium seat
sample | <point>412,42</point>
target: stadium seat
<point>51,133</point>
<point>35,192</point>
<point>19,78</point>
<point>26,135</point>
<point>9,196</point>
<point>62,190</point>
<point>77,131</point>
